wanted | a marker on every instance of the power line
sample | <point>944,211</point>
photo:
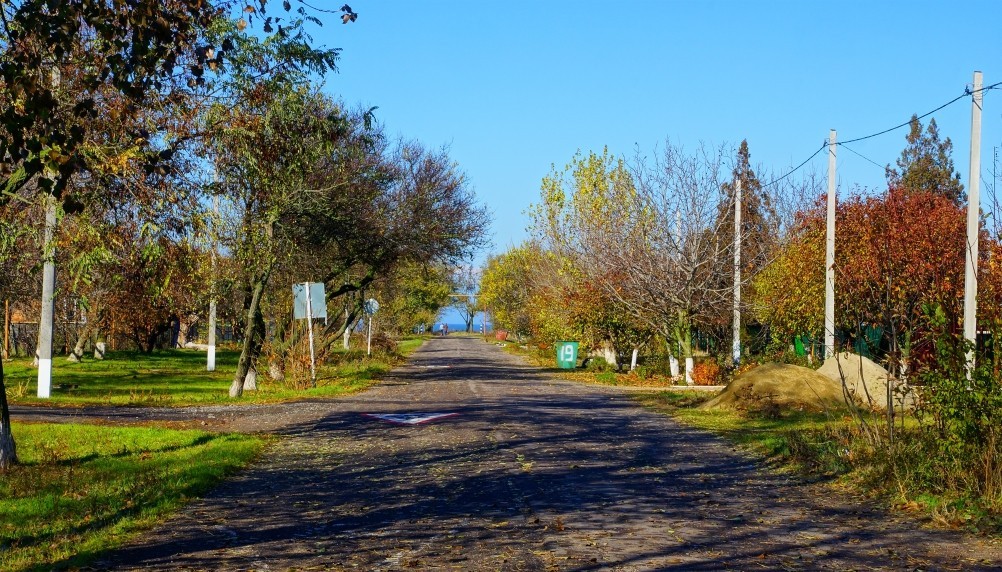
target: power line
<point>851,150</point>
<point>797,168</point>
<point>967,92</point>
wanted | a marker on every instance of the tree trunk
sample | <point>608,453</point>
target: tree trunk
<point>609,353</point>
<point>8,449</point>
<point>347,328</point>
<point>251,346</point>
<point>78,350</point>
<point>99,345</point>
<point>683,336</point>
<point>250,382</point>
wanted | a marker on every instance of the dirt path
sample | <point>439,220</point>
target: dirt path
<point>532,474</point>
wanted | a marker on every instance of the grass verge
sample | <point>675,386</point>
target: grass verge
<point>904,474</point>
<point>178,378</point>
<point>83,489</point>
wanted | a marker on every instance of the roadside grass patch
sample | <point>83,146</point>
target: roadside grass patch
<point>811,443</point>
<point>906,475</point>
<point>174,378</point>
<point>83,489</point>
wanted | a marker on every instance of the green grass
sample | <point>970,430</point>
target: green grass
<point>811,443</point>
<point>82,489</point>
<point>178,378</point>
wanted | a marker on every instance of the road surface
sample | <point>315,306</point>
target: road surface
<point>525,473</point>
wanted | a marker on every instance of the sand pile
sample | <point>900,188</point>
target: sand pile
<point>783,385</point>
<point>862,377</point>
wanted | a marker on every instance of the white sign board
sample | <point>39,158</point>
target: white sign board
<point>318,300</point>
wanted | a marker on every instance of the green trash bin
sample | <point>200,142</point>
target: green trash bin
<point>567,355</point>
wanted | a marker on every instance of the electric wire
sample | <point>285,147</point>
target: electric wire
<point>851,150</point>
<point>967,92</point>
<point>797,168</point>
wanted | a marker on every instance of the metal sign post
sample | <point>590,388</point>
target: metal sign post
<point>371,306</point>
<point>309,324</point>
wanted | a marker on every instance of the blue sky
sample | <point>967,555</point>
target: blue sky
<point>513,87</point>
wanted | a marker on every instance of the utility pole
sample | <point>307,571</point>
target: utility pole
<point>48,291</point>
<point>830,252</point>
<point>973,218</point>
<point>48,284</point>
<point>736,348</point>
<point>210,364</point>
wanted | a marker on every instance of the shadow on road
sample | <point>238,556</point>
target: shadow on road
<point>532,474</point>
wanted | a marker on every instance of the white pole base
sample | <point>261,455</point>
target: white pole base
<point>44,378</point>
<point>210,364</point>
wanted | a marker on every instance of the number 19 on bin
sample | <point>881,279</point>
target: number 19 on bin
<point>567,353</point>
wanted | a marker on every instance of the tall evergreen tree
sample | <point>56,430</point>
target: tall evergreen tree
<point>758,216</point>
<point>926,165</point>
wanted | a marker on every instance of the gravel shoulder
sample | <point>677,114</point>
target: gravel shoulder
<point>532,473</point>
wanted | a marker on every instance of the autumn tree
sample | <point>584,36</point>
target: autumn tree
<point>465,283</point>
<point>388,206</point>
<point>580,218</point>
<point>899,255</point>
<point>412,294</point>
<point>506,287</point>
<point>65,64</point>
<point>271,139</point>
<point>788,294</point>
<point>926,164</point>
<point>760,226</point>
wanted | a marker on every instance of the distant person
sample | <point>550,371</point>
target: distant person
<point>445,329</point>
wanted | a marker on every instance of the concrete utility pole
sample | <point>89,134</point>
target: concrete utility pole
<point>210,363</point>
<point>48,295</point>
<point>48,285</point>
<point>736,348</point>
<point>973,220</point>
<point>830,252</point>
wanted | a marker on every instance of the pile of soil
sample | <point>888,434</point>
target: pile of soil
<point>865,379</point>
<point>779,385</point>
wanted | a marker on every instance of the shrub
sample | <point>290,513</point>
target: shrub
<point>598,364</point>
<point>707,372</point>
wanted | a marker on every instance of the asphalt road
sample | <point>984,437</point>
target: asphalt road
<point>527,473</point>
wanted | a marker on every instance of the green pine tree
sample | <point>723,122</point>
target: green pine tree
<point>926,164</point>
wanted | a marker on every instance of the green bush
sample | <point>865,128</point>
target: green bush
<point>598,364</point>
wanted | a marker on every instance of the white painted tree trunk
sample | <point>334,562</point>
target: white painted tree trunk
<point>347,330</point>
<point>250,382</point>
<point>673,366</point>
<point>633,359</point>
<point>609,353</point>
<point>99,348</point>
<point>689,364</point>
